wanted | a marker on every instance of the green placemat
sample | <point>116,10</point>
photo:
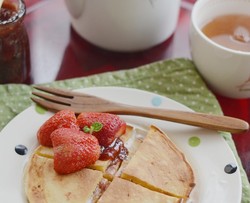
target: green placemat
<point>176,79</point>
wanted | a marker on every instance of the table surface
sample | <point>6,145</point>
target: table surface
<point>57,53</point>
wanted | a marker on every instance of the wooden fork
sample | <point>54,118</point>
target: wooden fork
<point>59,99</point>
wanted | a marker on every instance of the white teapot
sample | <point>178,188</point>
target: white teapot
<point>124,25</point>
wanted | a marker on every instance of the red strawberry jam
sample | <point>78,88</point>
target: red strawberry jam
<point>115,152</point>
<point>14,48</point>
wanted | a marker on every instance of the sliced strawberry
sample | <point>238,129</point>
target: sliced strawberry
<point>73,150</point>
<point>112,126</point>
<point>62,119</point>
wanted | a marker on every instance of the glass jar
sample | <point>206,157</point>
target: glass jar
<point>14,43</point>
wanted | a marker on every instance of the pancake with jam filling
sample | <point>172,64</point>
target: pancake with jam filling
<point>43,184</point>
<point>160,166</point>
<point>124,191</point>
<point>112,159</point>
<point>149,171</point>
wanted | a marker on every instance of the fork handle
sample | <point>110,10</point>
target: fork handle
<point>208,121</point>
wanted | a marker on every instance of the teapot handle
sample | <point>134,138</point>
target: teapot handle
<point>75,7</point>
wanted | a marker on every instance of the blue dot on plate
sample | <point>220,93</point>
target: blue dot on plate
<point>156,101</point>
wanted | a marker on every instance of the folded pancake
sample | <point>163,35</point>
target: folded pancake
<point>160,166</point>
<point>132,145</point>
<point>43,184</point>
<point>123,191</point>
<point>154,171</point>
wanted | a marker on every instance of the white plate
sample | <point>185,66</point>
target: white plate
<point>208,159</point>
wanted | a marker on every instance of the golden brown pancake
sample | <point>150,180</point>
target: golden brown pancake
<point>160,166</point>
<point>43,184</point>
<point>154,171</point>
<point>124,191</point>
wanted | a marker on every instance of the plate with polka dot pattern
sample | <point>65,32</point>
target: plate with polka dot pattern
<point>217,175</point>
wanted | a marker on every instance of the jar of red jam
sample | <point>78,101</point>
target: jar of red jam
<point>14,43</point>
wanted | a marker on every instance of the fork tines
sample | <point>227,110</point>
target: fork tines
<point>54,99</point>
<point>56,91</point>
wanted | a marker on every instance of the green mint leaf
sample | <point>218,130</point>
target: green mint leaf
<point>96,126</point>
<point>86,129</point>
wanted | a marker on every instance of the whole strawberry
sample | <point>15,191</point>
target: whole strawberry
<point>62,119</point>
<point>73,150</point>
<point>104,126</point>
